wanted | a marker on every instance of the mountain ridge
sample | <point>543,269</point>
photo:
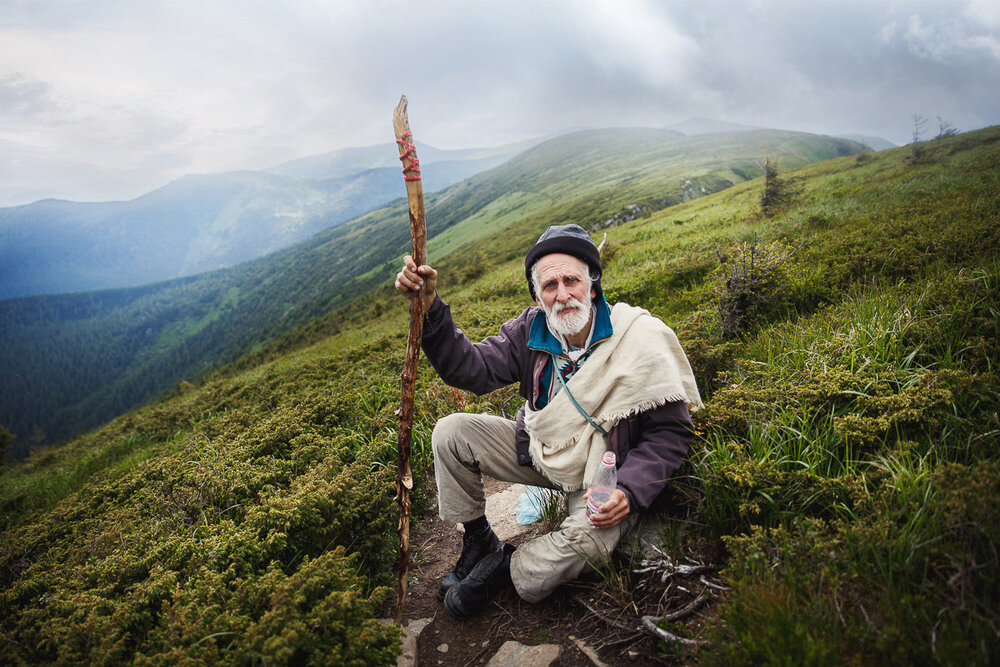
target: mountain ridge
<point>198,222</point>
<point>345,161</point>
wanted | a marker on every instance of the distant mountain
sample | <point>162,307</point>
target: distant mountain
<point>72,361</point>
<point>874,143</point>
<point>693,126</point>
<point>696,126</point>
<point>348,161</point>
<point>205,222</point>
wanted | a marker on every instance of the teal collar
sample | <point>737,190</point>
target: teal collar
<point>540,338</point>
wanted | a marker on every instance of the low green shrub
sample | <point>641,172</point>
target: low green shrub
<point>747,493</point>
<point>754,285</point>
<point>709,354</point>
<point>854,414</point>
<point>239,542</point>
<point>914,579</point>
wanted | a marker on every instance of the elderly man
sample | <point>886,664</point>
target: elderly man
<point>594,379</point>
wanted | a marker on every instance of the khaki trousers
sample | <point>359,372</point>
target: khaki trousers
<point>465,447</point>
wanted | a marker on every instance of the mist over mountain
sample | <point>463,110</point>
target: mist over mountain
<point>348,161</point>
<point>693,126</point>
<point>208,221</point>
<point>874,143</point>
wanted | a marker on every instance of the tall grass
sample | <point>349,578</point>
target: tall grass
<point>846,457</point>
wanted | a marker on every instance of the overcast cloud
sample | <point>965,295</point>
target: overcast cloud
<point>108,100</point>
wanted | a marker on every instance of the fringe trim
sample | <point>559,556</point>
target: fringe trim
<point>614,419</point>
<point>568,488</point>
<point>643,407</point>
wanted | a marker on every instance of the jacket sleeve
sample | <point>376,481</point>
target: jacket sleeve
<point>657,451</point>
<point>480,367</point>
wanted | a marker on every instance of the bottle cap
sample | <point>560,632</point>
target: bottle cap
<point>609,458</point>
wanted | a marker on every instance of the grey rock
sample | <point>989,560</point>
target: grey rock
<point>588,651</point>
<point>408,656</point>
<point>501,512</point>
<point>515,654</point>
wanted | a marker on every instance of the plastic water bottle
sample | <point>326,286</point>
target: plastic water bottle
<point>603,485</point>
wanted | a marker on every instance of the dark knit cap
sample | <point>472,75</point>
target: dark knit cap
<point>568,239</point>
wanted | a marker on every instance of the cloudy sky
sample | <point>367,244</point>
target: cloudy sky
<point>107,100</point>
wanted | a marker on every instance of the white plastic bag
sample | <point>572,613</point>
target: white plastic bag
<point>529,504</point>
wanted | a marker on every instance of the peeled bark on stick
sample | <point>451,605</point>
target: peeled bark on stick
<point>418,230</point>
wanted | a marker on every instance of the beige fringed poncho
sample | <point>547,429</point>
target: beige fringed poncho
<point>640,367</point>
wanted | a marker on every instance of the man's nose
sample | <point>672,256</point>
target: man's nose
<point>562,294</point>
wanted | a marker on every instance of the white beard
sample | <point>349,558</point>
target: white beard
<point>572,322</point>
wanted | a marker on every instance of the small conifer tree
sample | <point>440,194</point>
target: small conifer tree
<point>919,124</point>
<point>778,191</point>
<point>945,129</point>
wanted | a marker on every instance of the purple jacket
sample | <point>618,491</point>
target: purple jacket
<point>649,446</point>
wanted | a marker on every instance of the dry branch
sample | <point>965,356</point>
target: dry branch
<point>666,568</point>
<point>606,620</point>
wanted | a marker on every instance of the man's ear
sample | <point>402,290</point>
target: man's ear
<point>593,293</point>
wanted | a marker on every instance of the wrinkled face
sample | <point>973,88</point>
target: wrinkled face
<point>564,292</point>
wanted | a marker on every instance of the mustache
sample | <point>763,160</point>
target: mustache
<point>572,303</point>
<point>575,319</point>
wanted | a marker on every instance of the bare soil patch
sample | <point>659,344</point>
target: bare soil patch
<point>609,627</point>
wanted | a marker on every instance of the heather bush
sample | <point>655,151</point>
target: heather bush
<point>708,352</point>
<point>743,493</point>
<point>238,543</point>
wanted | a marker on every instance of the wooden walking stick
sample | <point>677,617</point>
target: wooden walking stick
<point>418,230</point>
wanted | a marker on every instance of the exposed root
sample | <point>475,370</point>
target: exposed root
<point>666,568</point>
<point>710,584</point>
<point>649,624</point>
<point>683,612</point>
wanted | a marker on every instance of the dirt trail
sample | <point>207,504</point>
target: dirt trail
<point>560,620</point>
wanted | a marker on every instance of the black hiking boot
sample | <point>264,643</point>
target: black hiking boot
<point>475,545</point>
<point>487,580</point>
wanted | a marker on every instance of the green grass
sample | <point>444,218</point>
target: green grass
<point>51,476</point>
<point>845,469</point>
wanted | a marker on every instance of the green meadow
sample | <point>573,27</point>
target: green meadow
<point>845,473</point>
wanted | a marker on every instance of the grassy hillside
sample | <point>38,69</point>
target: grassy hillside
<point>845,477</point>
<point>71,362</point>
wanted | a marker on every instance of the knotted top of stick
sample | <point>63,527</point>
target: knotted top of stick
<point>407,149</point>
